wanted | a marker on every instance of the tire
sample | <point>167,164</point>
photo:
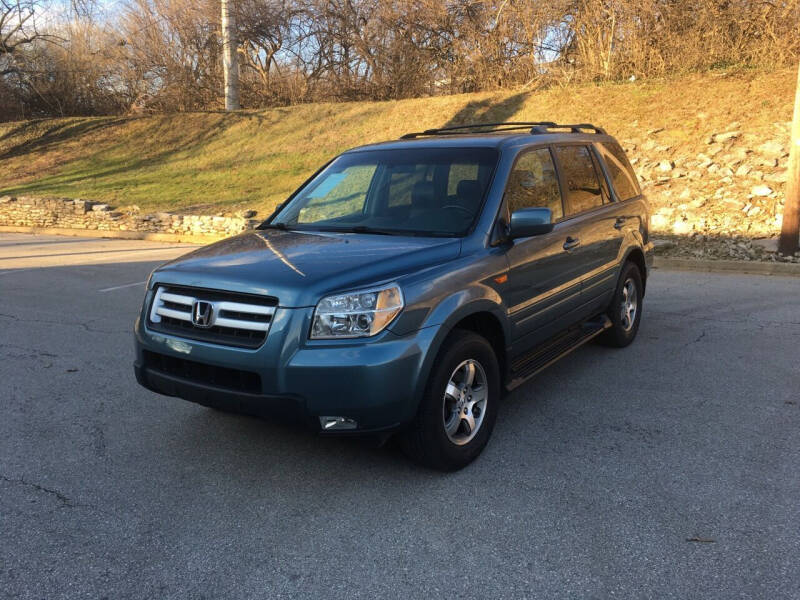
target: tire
<point>452,426</point>
<point>624,313</point>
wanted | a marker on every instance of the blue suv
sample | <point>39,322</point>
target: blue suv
<point>405,285</point>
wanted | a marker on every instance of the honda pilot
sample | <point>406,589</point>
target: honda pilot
<point>405,286</point>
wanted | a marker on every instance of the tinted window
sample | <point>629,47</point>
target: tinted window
<point>584,190</point>
<point>436,191</point>
<point>603,183</point>
<point>620,170</point>
<point>533,183</point>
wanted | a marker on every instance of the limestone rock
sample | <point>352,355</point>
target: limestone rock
<point>761,190</point>
<point>681,227</point>
<point>724,137</point>
<point>772,149</point>
<point>665,166</point>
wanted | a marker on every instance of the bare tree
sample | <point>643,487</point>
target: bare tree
<point>172,51</point>
<point>168,54</point>
<point>18,29</point>
<point>269,34</point>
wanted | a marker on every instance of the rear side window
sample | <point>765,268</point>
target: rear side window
<point>603,183</point>
<point>620,170</point>
<point>584,188</point>
<point>533,183</point>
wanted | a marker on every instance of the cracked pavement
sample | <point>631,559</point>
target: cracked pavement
<point>670,469</point>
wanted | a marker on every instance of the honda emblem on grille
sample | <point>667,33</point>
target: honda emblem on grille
<point>202,314</point>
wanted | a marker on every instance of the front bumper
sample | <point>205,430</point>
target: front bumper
<point>219,397</point>
<point>375,382</point>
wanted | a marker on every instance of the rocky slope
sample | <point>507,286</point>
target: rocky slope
<point>725,200</point>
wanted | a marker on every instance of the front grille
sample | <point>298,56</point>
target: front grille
<point>221,377</point>
<point>240,320</point>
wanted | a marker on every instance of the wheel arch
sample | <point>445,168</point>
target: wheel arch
<point>482,317</point>
<point>636,256</point>
<point>488,326</point>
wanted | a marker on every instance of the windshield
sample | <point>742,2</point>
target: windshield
<point>432,191</point>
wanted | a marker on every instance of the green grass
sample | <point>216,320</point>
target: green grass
<point>218,163</point>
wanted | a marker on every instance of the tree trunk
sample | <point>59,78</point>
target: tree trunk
<point>230,58</point>
<point>790,230</point>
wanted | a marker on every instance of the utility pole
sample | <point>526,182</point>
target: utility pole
<point>790,230</point>
<point>230,58</point>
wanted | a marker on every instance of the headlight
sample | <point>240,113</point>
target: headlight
<point>356,314</point>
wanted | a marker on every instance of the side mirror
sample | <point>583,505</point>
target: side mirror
<point>527,222</point>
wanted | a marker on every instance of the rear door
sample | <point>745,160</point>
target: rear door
<point>589,207</point>
<point>544,282</point>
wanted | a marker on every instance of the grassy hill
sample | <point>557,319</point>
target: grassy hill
<point>217,163</point>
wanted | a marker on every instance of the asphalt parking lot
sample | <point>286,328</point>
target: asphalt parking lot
<point>670,469</point>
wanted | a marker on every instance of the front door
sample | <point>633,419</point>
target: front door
<point>544,280</point>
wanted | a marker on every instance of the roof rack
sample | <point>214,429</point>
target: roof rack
<point>534,127</point>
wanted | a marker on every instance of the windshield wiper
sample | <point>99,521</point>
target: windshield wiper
<point>362,229</point>
<point>398,232</point>
<point>359,229</point>
<point>367,229</point>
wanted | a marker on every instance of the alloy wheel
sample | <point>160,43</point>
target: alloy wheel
<point>629,304</point>
<point>465,399</point>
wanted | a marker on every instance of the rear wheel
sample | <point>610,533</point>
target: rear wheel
<point>457,413</point>
<point>625,311</point>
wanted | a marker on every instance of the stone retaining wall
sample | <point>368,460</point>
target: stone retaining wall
<point>27,211</point>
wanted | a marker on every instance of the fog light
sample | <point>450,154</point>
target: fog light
<point>332,423</point>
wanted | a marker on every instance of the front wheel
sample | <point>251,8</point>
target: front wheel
<point>457,413</point>
<point>625,311</point>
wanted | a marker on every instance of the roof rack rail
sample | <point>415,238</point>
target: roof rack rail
<point>574,128</point>
<point>533,127</point>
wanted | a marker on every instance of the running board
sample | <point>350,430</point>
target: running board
<point>541,357</point>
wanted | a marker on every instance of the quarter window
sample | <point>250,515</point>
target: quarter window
<point>584,190</point>
<point>533,183</point>
<point>620,170</point>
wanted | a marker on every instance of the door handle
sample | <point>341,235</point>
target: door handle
<point>619,223</point>
<point>571,243</point>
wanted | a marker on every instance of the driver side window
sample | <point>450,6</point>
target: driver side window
<point>533,183</point>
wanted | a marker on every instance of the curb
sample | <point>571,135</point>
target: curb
<point>177,238</point>
<point>739,267</point>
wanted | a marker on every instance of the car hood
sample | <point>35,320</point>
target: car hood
<point>298,267</point>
